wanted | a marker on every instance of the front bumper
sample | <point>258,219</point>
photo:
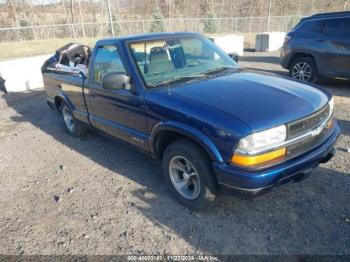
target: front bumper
<point>293,170</point>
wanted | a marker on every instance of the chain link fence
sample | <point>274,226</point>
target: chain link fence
<point>236,25</point>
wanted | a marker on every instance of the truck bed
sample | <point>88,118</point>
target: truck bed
<point>64,75</point>
<point>72,58</point>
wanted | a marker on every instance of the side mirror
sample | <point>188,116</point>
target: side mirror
<point>234,57</point>
<point>116,81</point>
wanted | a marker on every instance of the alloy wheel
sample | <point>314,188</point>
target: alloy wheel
<point>302,71</point>
<point>68,118</point>
<point>184,177</point>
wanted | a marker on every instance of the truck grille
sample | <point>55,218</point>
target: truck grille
<point>308,144</point>
<point>305,125</point>
<point>308,123</point>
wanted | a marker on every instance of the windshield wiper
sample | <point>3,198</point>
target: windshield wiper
<point>219,69</point>
<point>178,79</point>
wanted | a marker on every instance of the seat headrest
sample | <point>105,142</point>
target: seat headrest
<point>158,54</point>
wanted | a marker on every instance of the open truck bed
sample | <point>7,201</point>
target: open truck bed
<point>64,74</point>
<point>71,58</point>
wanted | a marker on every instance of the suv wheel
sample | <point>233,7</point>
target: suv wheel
<point>304,69</point>
<point>188,174</point>
<point>73,126</point>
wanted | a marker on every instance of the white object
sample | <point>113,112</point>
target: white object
<point>70,69</point>
<point>269,42</point>
<point>23,74</point>
<point>230,43</point>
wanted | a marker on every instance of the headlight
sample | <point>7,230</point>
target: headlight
<point>331,108</point>
<point>331,105</point>
<point>254,149</point>
<point>262,140</point>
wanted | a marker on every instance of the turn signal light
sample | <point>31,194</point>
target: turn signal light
<point>287,39</point>
<point>247,161</point>
<point>330,123</point>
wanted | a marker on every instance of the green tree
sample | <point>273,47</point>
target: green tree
<point>210,25</point>
<point>157,24</point>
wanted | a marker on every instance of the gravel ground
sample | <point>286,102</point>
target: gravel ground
<point>62,195</point>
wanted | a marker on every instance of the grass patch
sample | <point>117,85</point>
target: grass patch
<point>9,50</point>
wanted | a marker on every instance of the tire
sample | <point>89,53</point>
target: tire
<point>199,195</point>
<point>74,127</point>
<point>304,69</point>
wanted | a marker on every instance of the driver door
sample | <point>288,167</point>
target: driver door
<point>116,112</point>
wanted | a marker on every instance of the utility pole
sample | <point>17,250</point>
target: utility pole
<point>269,17</point>
<point>110,17</point>
<point>81,19</point>
<point>71,12</point>
<point>69,23</point>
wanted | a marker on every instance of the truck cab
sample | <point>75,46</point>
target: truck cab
<point>179,97</point>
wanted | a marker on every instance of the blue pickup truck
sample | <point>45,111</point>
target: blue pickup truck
<point>214,126</point>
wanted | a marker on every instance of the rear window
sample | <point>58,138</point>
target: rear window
<point>311,26</point>
<point>338,27</point>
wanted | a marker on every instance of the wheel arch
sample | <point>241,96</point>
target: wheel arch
<point>59,97</point>
<point>299,54</point>
<point>165,133</point>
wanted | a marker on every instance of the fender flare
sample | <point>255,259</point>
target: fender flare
<point>295,54</point>
<point>66,100</point>
<point>188,131</point>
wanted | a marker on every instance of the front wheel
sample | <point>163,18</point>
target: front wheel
<point>304,69</point>
<point>73,126</point>
<point>189,175</point>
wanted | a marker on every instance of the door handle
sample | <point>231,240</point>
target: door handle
<point>320,40</point>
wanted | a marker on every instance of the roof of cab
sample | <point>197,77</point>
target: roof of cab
<point>146,36</point>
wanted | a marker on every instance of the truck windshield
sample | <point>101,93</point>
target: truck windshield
<point>163,61</point>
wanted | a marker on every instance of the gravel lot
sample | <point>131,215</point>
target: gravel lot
<point>62,195</point>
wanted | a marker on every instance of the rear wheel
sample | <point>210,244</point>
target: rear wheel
<point>188,174</point>
<point>73,126</point>
<point>304,69</point>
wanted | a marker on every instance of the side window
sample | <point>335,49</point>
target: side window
<point>346,27</point>
<point>106,60</point>
<point>312,26</point>
<point>338,27</point>
<point>317,26</point>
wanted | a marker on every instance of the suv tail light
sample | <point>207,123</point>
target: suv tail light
<point>287,39</point>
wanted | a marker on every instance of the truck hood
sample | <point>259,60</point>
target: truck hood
<point>260,101</point>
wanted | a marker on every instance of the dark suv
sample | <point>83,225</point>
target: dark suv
<point>319,46</point>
